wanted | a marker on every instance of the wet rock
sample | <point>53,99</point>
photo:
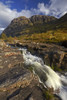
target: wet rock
<point>64,43</point>
<point>53,55</point>
<point>17,82</point>
<point>11,53</point>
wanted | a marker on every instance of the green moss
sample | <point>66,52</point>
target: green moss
<point>57,69</point>
<point>48,95</point>
<point>30,68</point>
<point>53,67</point>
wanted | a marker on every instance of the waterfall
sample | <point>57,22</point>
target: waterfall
<point>47,76</point>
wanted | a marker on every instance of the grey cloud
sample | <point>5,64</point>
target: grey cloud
<point>55,8</point>
<point>58,7</point>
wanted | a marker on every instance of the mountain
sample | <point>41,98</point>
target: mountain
<point>17,25</point>
<point>23,25</point>
<point>39,28</point>
<point>63,18</point>
<point>62,22</point>
<point>42,19</point>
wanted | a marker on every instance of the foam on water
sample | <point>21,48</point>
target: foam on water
<point>46,75</point>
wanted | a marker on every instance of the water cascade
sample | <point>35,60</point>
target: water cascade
<point>47,76</point>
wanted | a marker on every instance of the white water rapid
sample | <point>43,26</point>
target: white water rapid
<point>47,76</point>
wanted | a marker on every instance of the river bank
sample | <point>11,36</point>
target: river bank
<point>53,55</point>
<point>16,79</point>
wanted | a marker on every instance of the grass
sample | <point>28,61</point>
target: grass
<point>50,37</point>
<point>55,68</point>
<point>48,95</point>
<point>30,68</point>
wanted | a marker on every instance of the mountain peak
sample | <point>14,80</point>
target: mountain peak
<point>64,16</point>
<point>34,24</point>
<point>19,19</point>
<point>42,18</point>
<point>22,25</point>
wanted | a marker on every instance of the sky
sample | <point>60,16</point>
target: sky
<point>10,9</point>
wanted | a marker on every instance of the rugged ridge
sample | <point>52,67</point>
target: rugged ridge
<point>22,25</point>
<point>53,55</point>
<point>35,24</point>
<point>42,19</point>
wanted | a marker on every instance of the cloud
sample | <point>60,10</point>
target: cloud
<point>6,15</point>
<point>9,1</point>
<point>43,9</point>
<point>1,29</point>
<point>58,7</point>
<point>55,8</point>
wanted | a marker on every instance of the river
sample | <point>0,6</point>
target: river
<point>48,77</point>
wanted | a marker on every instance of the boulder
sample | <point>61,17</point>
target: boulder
<point>53,55</point>
<point>2,43</point>
<point>17,82</point>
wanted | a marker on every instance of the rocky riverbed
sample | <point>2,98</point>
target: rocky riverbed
<point>53,55</point>
<point>17,82</point>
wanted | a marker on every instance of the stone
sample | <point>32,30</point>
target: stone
<point>2,43</point>
<point>52,55</point>
<point>17,82</point>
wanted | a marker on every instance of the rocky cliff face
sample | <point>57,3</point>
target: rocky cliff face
<point>17,25</point>
<point>52,55</point>
<point>35,24</point>
<point>22,25</point>
<point>42,19</point>
<point>16,81</point>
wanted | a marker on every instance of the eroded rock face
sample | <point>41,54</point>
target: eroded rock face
<point>16,81</point>
<point>42,19</point>
<point>22,25</point>
<point>53,55</point>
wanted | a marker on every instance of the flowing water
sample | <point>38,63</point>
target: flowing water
<point>47,76</point>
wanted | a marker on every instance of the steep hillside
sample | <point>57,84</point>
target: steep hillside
<point>41,19</point>
<point>17,26</point>
<point>62,23</point>
<point>39,28</point>
<point>35,24</point>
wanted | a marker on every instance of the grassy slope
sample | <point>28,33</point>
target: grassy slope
<point>53,32</point>
<point>49,36</point>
